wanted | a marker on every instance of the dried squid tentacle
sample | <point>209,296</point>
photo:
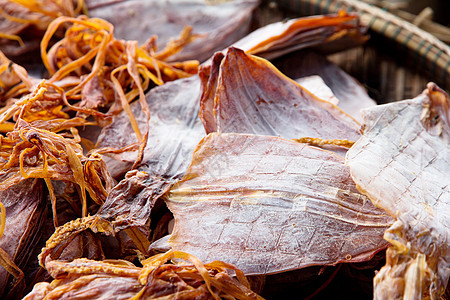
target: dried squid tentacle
<point>9,265</point>
<point>12,37</point>
<point>133,71</point>
<point>52,195</point>
<point>94,24</point>
<point>217,284</point>
<point>125,104</point>
<point>62,236</point>
<point>39,148</point>
<point>321,142</point>
<point>2,219</point>
<point>65,6</point>
<point>77,169</point>
<point>168,278</point>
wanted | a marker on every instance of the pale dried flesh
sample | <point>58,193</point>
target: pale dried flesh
<point>402,164</point>
<point>247,94</point>
<point>268,205</point>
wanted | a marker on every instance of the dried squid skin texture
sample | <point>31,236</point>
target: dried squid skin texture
<point>173,134</point>
<point>402,163</point>
<point>268,205</point>
<point>25,213</point>
<point>220,24</point>
<point>131,201</point>
<point>252,96</point>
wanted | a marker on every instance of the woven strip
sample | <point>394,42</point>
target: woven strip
<point>430,52</point>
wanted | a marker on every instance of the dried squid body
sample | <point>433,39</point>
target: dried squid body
<point>247,94</point>
<point>402,163</point>
<point>269,205</point>
<point>243,93</point>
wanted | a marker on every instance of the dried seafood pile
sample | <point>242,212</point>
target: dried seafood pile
<point>135,158</point>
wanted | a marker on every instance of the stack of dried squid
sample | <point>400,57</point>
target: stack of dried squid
<point>131,163</point>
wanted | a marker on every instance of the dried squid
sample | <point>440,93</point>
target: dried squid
<point>148,145</point>
<point>173,134</point>
<point>159,278</point>
<point>23,212</point>
<point>217,24</point>
<point>325,33</point>
<point>23,23</point>
<point>247,94</point>
<point>268,205</point>
<point>402,164</point>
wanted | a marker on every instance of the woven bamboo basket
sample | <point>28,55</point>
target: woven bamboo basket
<point>396,63</point>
